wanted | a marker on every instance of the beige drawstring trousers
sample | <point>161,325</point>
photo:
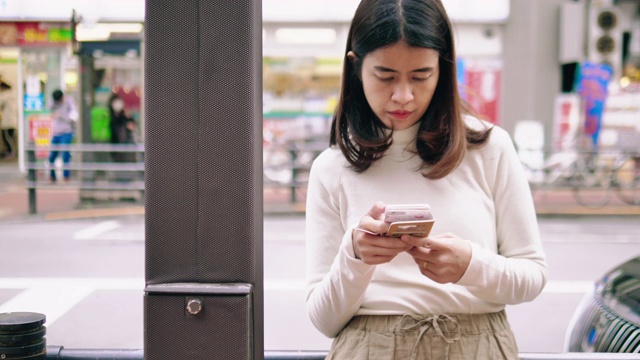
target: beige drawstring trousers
<point>432,337</point>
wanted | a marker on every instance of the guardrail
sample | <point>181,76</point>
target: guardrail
<point>60,353</point>
<point>86,167</point>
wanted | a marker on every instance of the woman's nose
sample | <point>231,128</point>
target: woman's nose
<point>402,94</point>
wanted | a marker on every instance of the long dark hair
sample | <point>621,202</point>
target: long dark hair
<point>443,136</point>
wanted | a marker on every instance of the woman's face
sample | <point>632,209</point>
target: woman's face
<point>399,82</point>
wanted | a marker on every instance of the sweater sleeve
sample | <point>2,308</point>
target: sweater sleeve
<point>517,272</point>
<point>336,280</point>
<point>72,111</point>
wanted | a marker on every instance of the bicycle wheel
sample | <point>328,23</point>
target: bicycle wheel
<point>592,197</point>
<point>591,184</point>
<point>627,181</point>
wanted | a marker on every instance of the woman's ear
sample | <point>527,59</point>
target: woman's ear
<point>353,58</point>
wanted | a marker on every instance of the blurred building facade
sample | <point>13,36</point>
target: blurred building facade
<point>516,58</point>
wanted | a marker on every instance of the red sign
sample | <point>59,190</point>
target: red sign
<point>482,91</point>
<point>566,121</point>
<point>40,133</point>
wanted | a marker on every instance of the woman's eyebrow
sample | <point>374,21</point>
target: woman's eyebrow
<point>386,69</point>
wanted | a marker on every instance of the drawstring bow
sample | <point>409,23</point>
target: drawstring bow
<point>434,321</point>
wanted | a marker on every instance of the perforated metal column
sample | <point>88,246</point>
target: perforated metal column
<point>203,178</point>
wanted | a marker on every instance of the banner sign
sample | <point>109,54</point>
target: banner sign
<point>593,80</point>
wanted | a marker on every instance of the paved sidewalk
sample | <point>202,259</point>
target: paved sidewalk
<point>54,203</point>
<point>67,203</point>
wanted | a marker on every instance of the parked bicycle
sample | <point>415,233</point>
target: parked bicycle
<point>627,180</point>
<point>592,177</point>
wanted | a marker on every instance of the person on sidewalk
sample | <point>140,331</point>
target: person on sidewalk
<point>8,121</point>
<point>400,135</point>
<point>122,128</point>
<point>64,117</point>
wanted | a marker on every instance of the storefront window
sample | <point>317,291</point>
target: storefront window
<point>42,72</point>
<point>121,76</point>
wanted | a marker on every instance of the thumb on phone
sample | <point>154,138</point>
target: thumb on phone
<point>377,210</point>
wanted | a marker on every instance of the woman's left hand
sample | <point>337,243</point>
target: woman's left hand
<point>442,258</point>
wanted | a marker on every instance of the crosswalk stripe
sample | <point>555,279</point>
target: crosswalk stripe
<point>52,300</point>
<point>92,232</point>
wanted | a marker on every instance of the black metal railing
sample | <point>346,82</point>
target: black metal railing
<point>60,353</point>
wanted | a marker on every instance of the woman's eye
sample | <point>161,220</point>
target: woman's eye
<point>421,79</point>
<point>385,79</point>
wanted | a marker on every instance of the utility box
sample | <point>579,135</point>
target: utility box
<point>202,318</point>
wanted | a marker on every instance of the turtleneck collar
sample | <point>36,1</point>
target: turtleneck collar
<point>403,138</point>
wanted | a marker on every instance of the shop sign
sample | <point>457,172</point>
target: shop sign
<point>34,102</point>
<point>33,97</point>
<point>34,33</point>
<point>40,132</point>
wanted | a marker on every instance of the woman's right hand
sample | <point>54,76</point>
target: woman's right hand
<point>375,249</point>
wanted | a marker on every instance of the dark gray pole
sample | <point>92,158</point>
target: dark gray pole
<point>31,159</point>
<point>203,158</point>
<point>87,100</point>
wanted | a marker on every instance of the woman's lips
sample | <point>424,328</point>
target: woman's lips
<point>400,114</point>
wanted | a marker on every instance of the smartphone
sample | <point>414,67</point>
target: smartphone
<point>412,219</point>
<point>420,228</point>
<point>407,212</point>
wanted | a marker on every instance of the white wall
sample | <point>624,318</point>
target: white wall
<point>477,40</point>
<point>531,63</point>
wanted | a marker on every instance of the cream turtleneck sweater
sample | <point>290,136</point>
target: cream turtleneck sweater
<point>486,200</point>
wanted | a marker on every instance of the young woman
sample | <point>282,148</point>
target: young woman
<point>400,136</point>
